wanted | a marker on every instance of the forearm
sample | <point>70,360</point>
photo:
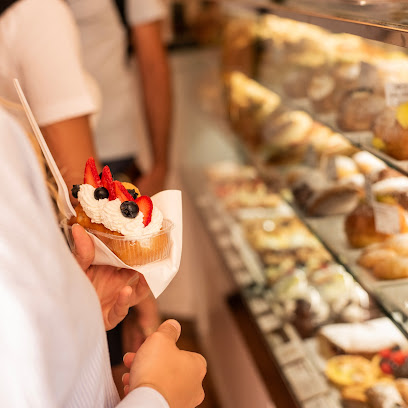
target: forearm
<point>70,142</point>
<point>156,84</point>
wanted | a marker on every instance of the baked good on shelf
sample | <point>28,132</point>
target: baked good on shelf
<point>384,395</point>
<point>346,370</point>
<point>359,109</point>
<point>360,229</point>
<point>368,163</point>
<point>354,396</point>
<point>365,338</point>
<point>389,259</point>
<point>392,190</point>
<point>320,92</point>
<point>285,137</point>
<point>390,136</point>
<point>127,222</point>
<point>317,195</point>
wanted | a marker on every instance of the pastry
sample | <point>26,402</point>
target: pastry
<point>128,223</point>
<point>366,338</point>
<point>392,190</point>
<point>286,137</point>
<point>384,395</point>
<point>354,396</point>
<point>368,163</point>
<point>320,92</point>
<point>346,370</point>
<point>360,227</point>
<point>359,109</point>
<point>390,136</point>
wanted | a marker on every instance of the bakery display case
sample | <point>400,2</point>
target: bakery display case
<point>308,208</point>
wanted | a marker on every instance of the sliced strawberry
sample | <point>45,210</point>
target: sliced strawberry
<point>146,207</point>
<point>91,175</point>
<point>122,193</point>
<point>108,183</point>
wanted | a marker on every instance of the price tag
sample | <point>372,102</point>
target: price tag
<point>268,323</point>
<point>288,352</point>
<point>311,157</point>
<point>305,381</point>
<point>368,185</point>
<point>386,218</point>
<point>396,93</point>
<point>258,306</point>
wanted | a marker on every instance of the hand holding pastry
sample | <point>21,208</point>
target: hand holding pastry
<point>154,181</point>
<point>161,365</point>
<point>117,289</point>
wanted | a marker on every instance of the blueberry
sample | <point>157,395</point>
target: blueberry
<point>132,192</point>
<point>75,190</point>
<point>129,209</point>
<point>100,175</point>
<point>100,193</point>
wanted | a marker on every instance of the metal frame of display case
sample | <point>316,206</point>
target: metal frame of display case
<point>339,16</point>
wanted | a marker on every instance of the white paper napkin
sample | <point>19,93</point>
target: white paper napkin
<point>157,274</point>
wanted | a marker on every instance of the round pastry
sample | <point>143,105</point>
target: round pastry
<point>360,228</point>
<point>126,222</point>
<point>368,163</point>
<point>296,82</point>
<point>390,136</point>
<point>382,395</point>
<point>359,110</point>
<point>349,370</point>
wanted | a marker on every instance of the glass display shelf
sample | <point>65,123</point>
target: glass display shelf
<point>360,139</point>
<point>385,21</point>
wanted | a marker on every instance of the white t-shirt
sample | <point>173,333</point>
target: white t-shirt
<point>53,347</point>
<point>40,46</point>
<point>121,130</point>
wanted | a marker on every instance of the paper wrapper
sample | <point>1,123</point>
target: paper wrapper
<point>160,273</point>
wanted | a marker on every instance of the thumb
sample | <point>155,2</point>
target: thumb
<point>84,247</point>
<point>171,329</point>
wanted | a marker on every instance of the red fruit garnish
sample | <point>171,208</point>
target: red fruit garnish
<point>122,193</point>
<point>386,353</point>
<point>107,182</point>
<point>398,357</point>
<point>91,175</point>
<point>146,207</point>
<point>386,368</point>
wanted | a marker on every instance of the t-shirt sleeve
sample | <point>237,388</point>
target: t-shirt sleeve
<point>143,12</point>
<point>143,397</point>
<point>49,61</point>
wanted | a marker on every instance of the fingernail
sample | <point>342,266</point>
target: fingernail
<point>125,356</point>
<point>175,324</point>
<point>123,376</point>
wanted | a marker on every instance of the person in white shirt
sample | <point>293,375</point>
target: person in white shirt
<point>53,347</point>
<point>46,58</point>
<point>135,120</point>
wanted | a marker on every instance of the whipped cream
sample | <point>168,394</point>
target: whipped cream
<point>108,213</point>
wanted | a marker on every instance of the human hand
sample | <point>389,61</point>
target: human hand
<point>117,288</point>
<point>174,373</point>
<point>152,182</point>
